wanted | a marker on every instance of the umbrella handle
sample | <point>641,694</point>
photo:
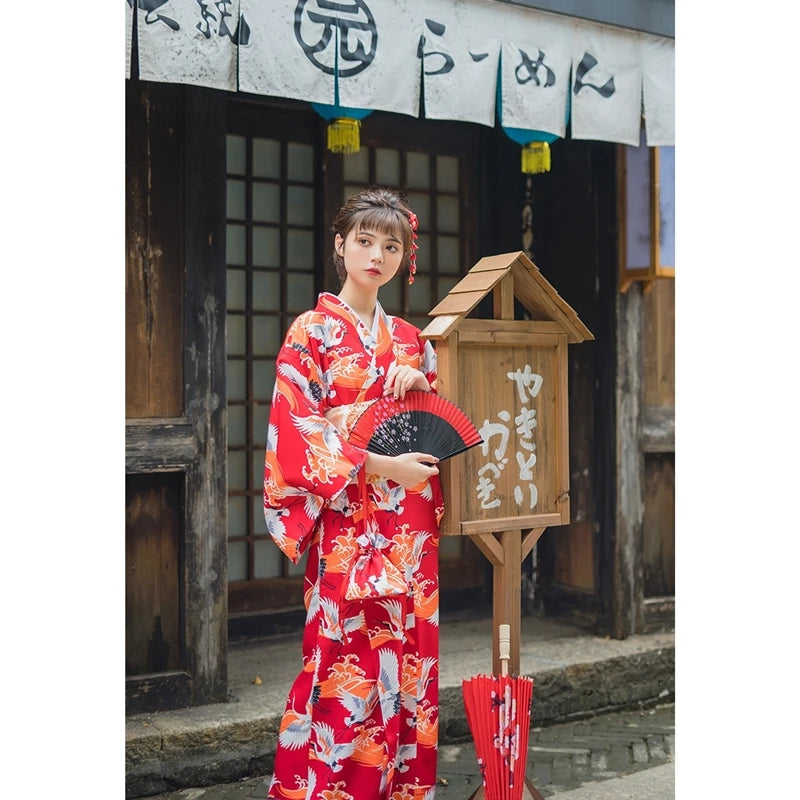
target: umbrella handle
<point>504,641</point>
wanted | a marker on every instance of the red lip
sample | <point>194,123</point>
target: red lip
<point>374,271</point>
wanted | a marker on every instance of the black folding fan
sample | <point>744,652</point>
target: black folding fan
<point>421,422</point>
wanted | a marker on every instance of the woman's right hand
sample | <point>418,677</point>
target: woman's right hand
<point>408,469</point>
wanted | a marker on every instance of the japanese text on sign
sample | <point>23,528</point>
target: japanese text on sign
<point>496,438</point>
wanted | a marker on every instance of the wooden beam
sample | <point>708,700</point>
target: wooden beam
<point>531,327</point>
<point>503,297</point>
<point>161,691</point>
<point>441,327</point>
<point>562,435</point>
<point>658,613</point>
<point>489,546</point>
<point>529,540</point>
<point>508,337</point>
<point>602,293</point>
<point>159,445</point>
<point>451,392</point>
<point>472,527</point>
<point>507,599</point>
<point>627,588</point>
<point>206,560</point>
<point>447,386</point>
<point>658,429</point>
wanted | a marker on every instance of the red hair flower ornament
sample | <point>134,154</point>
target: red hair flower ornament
<point>412,259</point>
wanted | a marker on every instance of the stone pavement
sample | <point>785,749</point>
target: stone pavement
<point>613,756</point>
<point>657,783</point>
<point>576,675</point>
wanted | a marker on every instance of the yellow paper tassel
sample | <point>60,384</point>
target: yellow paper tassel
<point>344,135</point>
<point>536,158</point>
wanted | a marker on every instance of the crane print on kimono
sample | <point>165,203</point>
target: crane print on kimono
<point>361,719</point>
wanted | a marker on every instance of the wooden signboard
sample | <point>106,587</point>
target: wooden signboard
<point>510,377</point>
<point>510,383</point>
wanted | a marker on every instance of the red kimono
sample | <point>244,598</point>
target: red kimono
<point>361,720</point>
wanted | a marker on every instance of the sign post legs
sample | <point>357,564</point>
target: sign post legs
<point>506,551</point>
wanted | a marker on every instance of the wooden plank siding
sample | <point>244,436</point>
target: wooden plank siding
<point>158,439</point>
<point>153,522</point>
<point>155,647</point>
<point>658,529</point>
<point>659,337</point>
<point>645,531</point>
<point>154,250</point>
<point>657,440</point>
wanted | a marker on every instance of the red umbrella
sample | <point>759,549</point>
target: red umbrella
<point>498,714</point>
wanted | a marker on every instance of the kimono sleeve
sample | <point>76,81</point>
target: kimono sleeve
<point>307,461</point>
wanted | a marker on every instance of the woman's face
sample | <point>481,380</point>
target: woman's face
<point>371,258</point>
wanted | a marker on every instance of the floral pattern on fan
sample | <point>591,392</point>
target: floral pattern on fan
<point>420,422</point>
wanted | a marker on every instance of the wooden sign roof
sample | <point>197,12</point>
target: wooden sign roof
<point>529,287</point>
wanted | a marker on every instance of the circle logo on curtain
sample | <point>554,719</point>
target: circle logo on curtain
<point>316,23</point>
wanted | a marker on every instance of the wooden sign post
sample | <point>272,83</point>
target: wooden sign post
<point>510,377</point>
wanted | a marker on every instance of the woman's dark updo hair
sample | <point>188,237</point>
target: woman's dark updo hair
<point>379,209</point>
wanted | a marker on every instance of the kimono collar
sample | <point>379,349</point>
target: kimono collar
<point>334,303</point>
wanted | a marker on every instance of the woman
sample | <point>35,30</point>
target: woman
<point>361,719</point>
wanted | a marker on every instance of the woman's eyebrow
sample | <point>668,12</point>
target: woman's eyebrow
<point>366,232</point>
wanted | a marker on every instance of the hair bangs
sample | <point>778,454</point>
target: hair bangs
<point>384,220</point>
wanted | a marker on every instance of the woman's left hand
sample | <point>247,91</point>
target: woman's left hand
<point>399,379</point>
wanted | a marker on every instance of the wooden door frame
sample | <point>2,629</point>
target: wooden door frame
<point>196,443</point>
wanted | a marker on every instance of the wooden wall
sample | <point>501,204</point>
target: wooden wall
<point>153,374</point>
<point>153,522</point>
<point>154,252</point>
<point>659,345</point>
<point>658,529</point>
<point>644,544</point>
